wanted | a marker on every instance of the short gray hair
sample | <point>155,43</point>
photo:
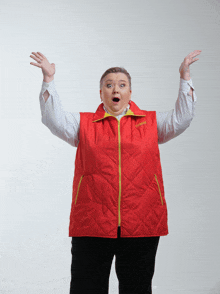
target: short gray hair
<point>115,70</point>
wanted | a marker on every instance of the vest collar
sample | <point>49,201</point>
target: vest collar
<point>134,110</point>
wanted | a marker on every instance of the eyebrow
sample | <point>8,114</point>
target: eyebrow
<point>119,81</point>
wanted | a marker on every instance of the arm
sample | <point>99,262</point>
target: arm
<point>172,123</point>
<point>47,80</point>
<point>62,124</point>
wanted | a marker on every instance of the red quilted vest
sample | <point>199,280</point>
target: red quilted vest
<point>118,177</point>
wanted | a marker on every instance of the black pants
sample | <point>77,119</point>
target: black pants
<point>92,258</point>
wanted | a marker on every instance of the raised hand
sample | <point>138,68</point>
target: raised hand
<point>184,67</point>
<point>48,69</point>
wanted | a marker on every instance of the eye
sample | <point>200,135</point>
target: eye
<point>108,85</point>
<point>122,85</point>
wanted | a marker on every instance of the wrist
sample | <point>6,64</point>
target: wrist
<point>185,77</point>
<point>48,79</point>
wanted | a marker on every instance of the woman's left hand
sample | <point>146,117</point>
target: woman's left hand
<point>184,67</point>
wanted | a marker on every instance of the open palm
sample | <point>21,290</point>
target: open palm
<point>42,62</point>
<point>188,60</point>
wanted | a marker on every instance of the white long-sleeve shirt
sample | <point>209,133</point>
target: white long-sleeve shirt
<point>66,125</point>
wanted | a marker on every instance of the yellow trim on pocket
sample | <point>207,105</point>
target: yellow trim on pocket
<point>78,187</point>
<point>144,122</point>
<point>159,190</point>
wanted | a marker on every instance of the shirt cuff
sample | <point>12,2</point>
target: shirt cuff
<point>185,85</point>
<point>47,86</point>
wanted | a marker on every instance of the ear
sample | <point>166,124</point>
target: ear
<point>130,94</point>
<point>100,91</point>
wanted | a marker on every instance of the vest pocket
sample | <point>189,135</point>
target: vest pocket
<point>159,189</point>
<point>79,187</point>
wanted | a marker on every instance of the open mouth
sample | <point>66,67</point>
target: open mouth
<point>115,99</point>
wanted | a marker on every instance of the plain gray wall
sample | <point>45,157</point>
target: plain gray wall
<point>84,38</point>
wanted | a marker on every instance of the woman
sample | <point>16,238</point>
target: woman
<point>118,204</point>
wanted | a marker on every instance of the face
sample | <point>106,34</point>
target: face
<point>115,92</point>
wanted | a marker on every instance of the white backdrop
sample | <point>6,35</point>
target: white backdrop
<point>84,38</point>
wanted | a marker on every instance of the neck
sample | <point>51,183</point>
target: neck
<point>116,113</point>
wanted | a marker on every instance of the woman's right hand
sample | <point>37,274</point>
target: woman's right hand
<point>48,69</point>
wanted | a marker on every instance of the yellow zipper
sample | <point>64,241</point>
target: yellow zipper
<point>119,148</point>
<point>159,190</point>
<point>78,188</point>
<point>129,112</point>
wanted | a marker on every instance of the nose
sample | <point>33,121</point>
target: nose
<point>115,88</point>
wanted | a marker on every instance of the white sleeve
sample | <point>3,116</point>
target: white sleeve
<point>62,124</point>
<point>171,124</point>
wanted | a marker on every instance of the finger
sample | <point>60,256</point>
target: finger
<point>36,64</point>
<point>33,57</point>
<point>194,53</point>
<point>36,58</point>
<point>189,58</point>
<point>194,60</point>
<point>34,53</point>
<point>41,54</point>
